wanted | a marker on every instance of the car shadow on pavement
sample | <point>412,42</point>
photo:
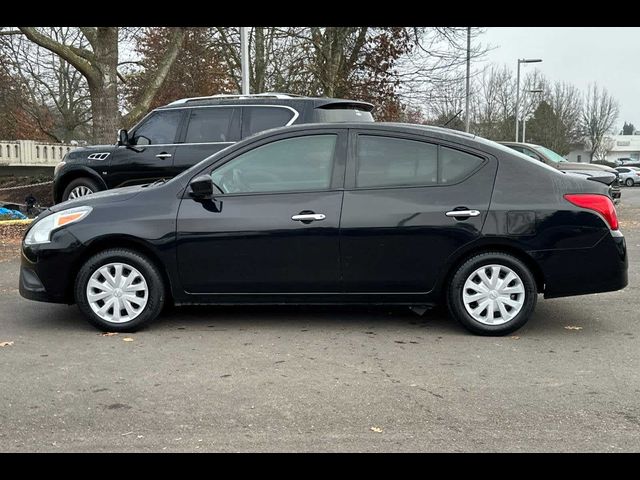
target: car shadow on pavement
<point>548,318</point>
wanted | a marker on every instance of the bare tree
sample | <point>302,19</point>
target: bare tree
<point>599,115</point>
<point>58,95</point>
<point>97,61</point>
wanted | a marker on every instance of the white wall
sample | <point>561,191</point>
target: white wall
<point>29,152</point>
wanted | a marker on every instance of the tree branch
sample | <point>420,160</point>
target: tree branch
<point>156,78</point>
<point>70,54</point>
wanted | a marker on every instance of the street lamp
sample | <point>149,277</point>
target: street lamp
<point>524,120</point>
<point>521,60</point>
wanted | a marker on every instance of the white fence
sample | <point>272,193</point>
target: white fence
<point>32,153</point>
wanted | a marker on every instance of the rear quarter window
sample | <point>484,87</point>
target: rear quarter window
<point>257,119</point>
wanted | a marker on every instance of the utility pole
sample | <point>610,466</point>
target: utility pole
<point>468,119</point>
<point>521,60</point>
<point>244,59</point>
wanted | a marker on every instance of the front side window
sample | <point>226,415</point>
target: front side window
<point>211,124</point>
<point>159,128</point>
<point>388,162</point>
<point>292,164</point>
<point>257,119</point>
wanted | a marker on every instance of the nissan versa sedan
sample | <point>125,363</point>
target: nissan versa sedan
<point>350,213</point>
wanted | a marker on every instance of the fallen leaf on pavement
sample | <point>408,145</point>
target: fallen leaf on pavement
<point>572,327</point>
<point>376,429</point>
<point>127,339</point>
<point>6,344</point>
<point>515,337</point>
<point>108,334</point>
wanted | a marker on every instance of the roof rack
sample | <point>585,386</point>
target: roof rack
<point>224,95</point>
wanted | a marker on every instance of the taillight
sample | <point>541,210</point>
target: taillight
<point>598,203</point>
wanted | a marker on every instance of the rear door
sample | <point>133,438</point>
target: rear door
<point>396,228</point>
<point>207,130</point>
<point>149,158</point>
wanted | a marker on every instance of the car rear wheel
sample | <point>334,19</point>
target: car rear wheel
<point>629,182</point>
<point>79,188</point>
<point>492,293</point>
<point>119,290</point>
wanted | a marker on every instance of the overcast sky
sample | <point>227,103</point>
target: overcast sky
<point>609,56</point>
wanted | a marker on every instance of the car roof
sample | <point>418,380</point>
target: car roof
<point>267,99</point>
<point>532,145</point>
<point>439,132</point>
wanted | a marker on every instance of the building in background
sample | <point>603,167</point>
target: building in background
<point>625,147</point>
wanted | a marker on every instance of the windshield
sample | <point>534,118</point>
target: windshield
<point>550,154</point>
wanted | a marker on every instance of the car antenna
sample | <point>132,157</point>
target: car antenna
<point>449,121</point>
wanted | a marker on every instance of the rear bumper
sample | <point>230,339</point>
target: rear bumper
<point>601,268</point>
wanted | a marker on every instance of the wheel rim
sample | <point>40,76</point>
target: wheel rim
<point>80,191</point>
<point>629,182</point>
<point>493,294</point>
<point>117,292</point>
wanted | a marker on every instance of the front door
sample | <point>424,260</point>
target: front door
<point>150,155</point>
<point>397,229</point>
<point>274,227</point>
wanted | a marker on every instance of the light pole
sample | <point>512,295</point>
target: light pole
<point>521,60</point>
<point>244,59</point>
<point>466,105</point>
<point>524,120</point>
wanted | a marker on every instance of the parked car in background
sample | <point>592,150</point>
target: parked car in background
<point>334,213</point>
<point>629,176</point>
<point>553,159</point>
<point>174,137</point>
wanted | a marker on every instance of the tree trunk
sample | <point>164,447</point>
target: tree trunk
<point>104,86</point>
<point>259,62</point>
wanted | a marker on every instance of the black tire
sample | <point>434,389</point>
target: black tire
<point>456,286</point>
<point>629,182</point>
<point>156,289</point>
<point>80,182</point>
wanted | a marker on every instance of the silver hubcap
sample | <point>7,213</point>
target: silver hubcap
<point>80,191</point>
<point>493,294</point>
<point>117,292</point>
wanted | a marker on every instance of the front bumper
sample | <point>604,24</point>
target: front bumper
<point>47,271</point>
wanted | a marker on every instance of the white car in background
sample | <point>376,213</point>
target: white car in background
<point>629,176</point>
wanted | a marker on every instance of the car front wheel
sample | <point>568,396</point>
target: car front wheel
<point>629,182</point>
<point>119,290</point>
<point>492,293</point>
<point>79,188</point>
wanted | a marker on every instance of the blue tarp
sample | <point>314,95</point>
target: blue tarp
<point>14,214</point>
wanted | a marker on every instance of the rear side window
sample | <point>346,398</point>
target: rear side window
<point>159,128</point>
<point>208,125</point>
<point>342,115</point>
<point>257,119</point>
<point>384,161</point>
<point>388,161</point>
<point>455,165</point>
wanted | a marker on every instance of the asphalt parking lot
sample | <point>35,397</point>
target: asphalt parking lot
<point>330,379</point>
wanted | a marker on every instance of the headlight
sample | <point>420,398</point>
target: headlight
<point>58,167</point>
<point>41,231</point>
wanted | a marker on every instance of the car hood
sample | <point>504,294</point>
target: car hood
<point>101,198</point>
<point>585,167</point>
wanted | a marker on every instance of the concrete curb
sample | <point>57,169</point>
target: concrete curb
<point>16,222</point>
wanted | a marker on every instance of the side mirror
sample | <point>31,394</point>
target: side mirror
<point>123,137</point>
<point>201,187</point>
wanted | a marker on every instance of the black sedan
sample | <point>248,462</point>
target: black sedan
<point>334,214</point>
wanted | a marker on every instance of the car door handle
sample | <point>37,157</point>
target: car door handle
<point>308,217</point>
<point>463,213</point>
<point>163,155</point>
